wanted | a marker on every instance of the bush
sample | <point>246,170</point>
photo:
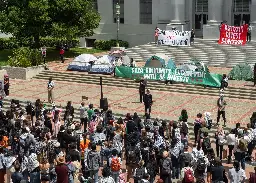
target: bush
<point>241,72</point>
<point>106,45</point>
<point>12,43</point>
<point>25,57</point>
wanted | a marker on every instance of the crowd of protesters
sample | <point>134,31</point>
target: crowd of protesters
<point>40,144</point>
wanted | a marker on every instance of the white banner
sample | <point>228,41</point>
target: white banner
<point>174,37</point>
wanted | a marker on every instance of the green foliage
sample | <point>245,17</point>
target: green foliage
<point>12,43</point>
<point>106,45</point>
<point>25,57</point>
<point>32,19</point>
<point>241,72</point>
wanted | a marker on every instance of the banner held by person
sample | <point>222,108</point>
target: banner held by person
<point>235,35</point>
<point>174,37</point>
<point>163,74</point>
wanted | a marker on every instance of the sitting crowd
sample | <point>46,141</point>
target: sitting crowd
<point>37,145</point>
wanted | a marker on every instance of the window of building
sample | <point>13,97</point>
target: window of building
<point>201,5</point>
<point>242,5</point>
<point>146,11</point>
<point>121,16</point>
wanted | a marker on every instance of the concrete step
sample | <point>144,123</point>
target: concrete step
<point>190,89</point>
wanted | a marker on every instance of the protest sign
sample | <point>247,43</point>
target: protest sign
<point>235,35</point>
<point>174,37</point>
<point>162,74</point>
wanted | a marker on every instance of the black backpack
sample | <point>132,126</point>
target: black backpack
<point>184,128</point>
<point>206,143</point>
<point>139,173</point>
<point>201,166</point>
<point>132,156</point>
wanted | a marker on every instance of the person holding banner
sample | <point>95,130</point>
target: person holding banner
<point>156,34</point>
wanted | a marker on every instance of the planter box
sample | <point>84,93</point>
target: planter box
<point>23,73</point>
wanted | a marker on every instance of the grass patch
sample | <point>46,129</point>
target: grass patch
<point>52,54</point>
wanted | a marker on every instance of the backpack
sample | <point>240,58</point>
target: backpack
<point>24,143</point>
<point>206,143</point>
<point>184,129</point>
<point>115,164</point>
<point>242,145</point>
<point>166,166</point>
<point>92,161</point>
<point>139,173</point>
<point>188,176</point>
<point>201,166</point>
<point>131,156</point>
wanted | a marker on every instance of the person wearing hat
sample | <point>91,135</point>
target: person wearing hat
<point>221,103</point>
<point>6,84</point>
<point>50,87</point>
<point>61,168</point>
<point>148,101</point>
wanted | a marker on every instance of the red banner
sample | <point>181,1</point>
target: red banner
<point>233,34</point>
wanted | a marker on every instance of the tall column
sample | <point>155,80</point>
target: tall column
<point>177,11</point>
<point>253,12</point>
<point>215,11</point>
<point>253,19</point>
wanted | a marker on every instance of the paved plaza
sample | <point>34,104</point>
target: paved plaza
<point>123,100</point>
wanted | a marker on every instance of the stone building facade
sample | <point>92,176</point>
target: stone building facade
<point>139,18</point>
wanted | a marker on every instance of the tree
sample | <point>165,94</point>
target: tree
<point>26,19</point>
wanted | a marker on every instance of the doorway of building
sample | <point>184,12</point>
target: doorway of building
<point>241,18</point>
<point>200,20</point>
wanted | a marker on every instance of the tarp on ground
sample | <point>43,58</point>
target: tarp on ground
<point>193,65</point>
<point>82,63</point>
<point>162,74</point>
<point>241,72</point>
<point>160,60</point>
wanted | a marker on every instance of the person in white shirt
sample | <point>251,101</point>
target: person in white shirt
<point>50,87</point>
<point>236,174</point>
<point>83,116</point>
<point>231,141</point>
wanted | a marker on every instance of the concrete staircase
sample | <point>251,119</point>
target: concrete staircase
<point>240,93</point>
<point>207,51</point>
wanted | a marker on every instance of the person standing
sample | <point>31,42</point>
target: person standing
<point>142,89</point>
<point>221,103</point>
<point>6,84</point>
<point>192,37</point>
<point>62,51</point>
<point>50,90</point>
<point>148,102</point>
<point>43,51</point>
<point>249,35</point>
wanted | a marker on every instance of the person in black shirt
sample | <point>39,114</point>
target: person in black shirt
<point>74,153</point>
<point>217,172</point>
<point>142,89</point>
<point>148,102</point>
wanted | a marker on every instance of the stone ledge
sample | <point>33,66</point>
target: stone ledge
<point>23,73</point>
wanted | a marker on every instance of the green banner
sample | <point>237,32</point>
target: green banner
<point>162,74</point>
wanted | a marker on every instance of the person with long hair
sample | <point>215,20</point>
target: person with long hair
<point>45,170</point>
<point>236,174</point>
<point>220,140</point>
<point>197,125</point>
